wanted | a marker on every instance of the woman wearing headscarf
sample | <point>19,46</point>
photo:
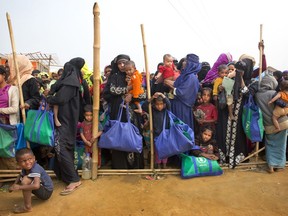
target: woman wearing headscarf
<point>230,136</point>
<point>275,143</point>
<point>204,70</point>
<point>67,96</point>
<point>185,89</point>
<point>212,74</point>
<point>114,93</point>
<point>29,84</point>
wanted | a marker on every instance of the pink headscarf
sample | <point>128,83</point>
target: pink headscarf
<point>25,69</point>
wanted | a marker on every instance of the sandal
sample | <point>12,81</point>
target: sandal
<point>68,191</point>
<point>20,209</point>
<point>149,177</point>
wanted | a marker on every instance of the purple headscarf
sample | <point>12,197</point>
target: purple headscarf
<point>224,58</point>
<point>187,83</point>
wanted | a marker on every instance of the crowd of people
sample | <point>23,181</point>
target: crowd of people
<point>208,99</point>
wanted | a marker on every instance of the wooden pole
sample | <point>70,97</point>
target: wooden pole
<point>260,72</point>
<point>149,97</point>
<point>255,153</point>
<point>16,66</point>
<point>16,70</point>
<point>96,87</point>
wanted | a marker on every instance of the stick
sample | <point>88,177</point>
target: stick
<point>17,71</point>
<point>255,153</point>
<point>16,66</point>
<point>260,72</point>
<point>148,96</point>
<point>96,87</point>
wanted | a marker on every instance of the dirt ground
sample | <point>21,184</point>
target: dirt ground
<point>236,192</point>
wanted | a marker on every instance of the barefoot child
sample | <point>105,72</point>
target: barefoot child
<point>33,179</point>
<point>222,72</point>
<point>86,131</point>
<point>279,111</point>
<point>134,79</point>
<point>160,103</point>
<point>54,88</point>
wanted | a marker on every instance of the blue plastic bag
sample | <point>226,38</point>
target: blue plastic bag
<point>122,136</point>
<point>177,139</point>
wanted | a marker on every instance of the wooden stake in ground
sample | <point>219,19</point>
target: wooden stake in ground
<point>260,72</point>
<point>148,96</point>
<point>16,70</point>
<point>16,66</point>
<point>96,87</point>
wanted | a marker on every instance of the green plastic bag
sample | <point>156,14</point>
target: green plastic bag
<point>199,166</point>
<point>8,138</point>
<point>252,120</point>
<point>39,126</point>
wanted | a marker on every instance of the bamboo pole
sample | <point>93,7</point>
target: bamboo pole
<point>96,87</point>
<point>17,70</point>
<point>260,72</point>
<point>110,172</point>
<point>16,65</point>
<point>149,97</point>
<point>255,153</point>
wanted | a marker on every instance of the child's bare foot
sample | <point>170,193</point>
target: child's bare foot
<point>57,123</point>
<point>21,209</point>
<point>277,130</point>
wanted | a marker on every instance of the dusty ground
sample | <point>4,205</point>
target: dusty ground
<point>236,192</point>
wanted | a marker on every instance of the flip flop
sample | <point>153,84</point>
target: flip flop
<point>20,210</point>
<point>148,177</point>
<point>68,191</point>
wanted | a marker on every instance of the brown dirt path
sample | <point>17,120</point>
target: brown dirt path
<point>236,192</point>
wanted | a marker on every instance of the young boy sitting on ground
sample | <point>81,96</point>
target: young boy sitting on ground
<point>32,179</point>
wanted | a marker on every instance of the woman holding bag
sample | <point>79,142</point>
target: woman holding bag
<point>67,97</point>
<point>114,93</point>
